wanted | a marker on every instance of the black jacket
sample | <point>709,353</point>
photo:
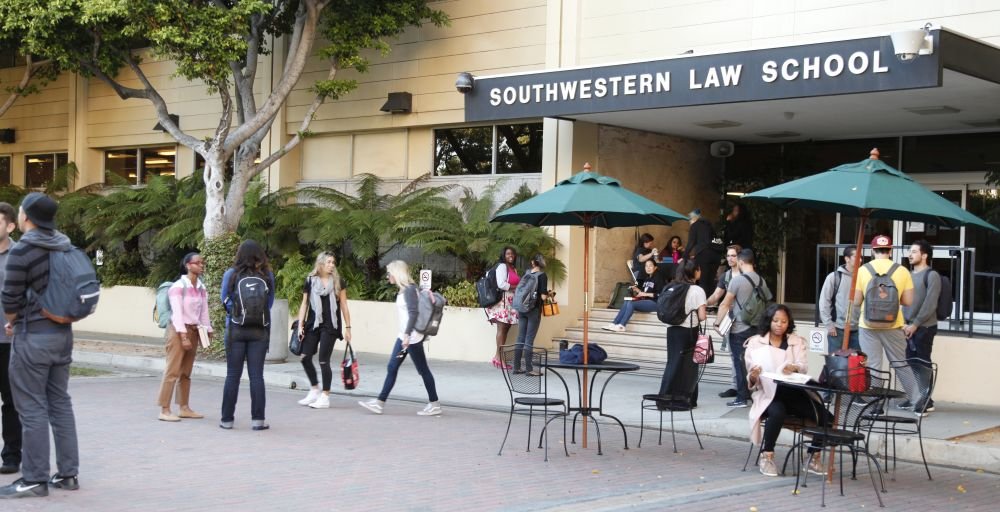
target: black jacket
<point>700,236</point>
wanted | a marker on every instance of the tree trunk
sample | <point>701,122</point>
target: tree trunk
<point>216,221</point>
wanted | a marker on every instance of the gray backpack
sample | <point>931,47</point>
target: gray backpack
<point>73,287</point>
<point>526,293</point>
<point>430,309</point>
<point>760,298</point>
<point>881,299</point>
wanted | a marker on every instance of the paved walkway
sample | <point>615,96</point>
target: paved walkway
<point>480,386</point>
<point>345,458</point>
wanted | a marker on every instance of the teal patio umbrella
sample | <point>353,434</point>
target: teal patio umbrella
<point>869,189</point>
<point>590,200</point>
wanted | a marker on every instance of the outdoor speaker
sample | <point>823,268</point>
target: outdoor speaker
<point>7,136</point>
<point>722,149</point>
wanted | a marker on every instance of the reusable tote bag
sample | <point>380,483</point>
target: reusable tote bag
<point>349,369</point>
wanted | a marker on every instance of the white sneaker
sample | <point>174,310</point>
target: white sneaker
<point>608,327</point>
<point>323,402</point>
<point>430,410</point>
<point>618,328</point>
<point>372,405</point>
<point>311,397</point>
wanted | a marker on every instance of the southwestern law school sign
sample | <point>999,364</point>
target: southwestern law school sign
<point>841,67</point>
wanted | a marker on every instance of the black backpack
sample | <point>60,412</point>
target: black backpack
<point>670,303</point>
<point>73,288</point>
<point>944,298</point>
<point>249,300</point>
<point>487,291</point>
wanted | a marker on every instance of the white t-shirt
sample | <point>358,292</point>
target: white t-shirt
<point>694,299</point>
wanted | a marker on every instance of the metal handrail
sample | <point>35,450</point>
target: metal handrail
<point>964,313</point>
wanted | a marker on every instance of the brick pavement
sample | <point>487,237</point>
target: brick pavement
<point>345,458</point>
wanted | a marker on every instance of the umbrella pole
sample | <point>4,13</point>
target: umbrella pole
<point>847,324</point>
<point>586,323</point>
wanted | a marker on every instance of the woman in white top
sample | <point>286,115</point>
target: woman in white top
<point>408,342</point>
<point>681,369</point>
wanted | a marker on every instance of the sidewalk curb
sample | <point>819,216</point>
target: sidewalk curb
<point>939,452</point>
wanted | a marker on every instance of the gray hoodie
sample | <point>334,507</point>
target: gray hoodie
<point>28,268</point>
<point>841,276</point>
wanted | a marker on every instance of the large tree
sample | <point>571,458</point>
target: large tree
<point>217,42</point>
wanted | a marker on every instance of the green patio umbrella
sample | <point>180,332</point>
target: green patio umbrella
<point>869,189</point>
<point>590,200</point>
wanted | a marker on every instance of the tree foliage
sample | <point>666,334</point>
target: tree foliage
<point>217,42</point>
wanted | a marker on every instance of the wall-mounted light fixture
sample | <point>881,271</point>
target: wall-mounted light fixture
<point>398,103</point>
<point>7,136</point>
<point>173,117</point>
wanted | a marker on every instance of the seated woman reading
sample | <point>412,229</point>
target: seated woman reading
<point>777,350</point>
<point>643,296</point>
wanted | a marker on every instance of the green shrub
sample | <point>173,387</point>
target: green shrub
<point>290,278</point>
<point>461,294</point>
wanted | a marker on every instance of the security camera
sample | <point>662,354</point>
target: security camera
<point>908,44</point>
<point>722,149</point>
<point>465,82</point>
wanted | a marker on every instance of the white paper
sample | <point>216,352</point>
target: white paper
<point>798,378</point>
<point>724,325</point>
<point>203,336</point>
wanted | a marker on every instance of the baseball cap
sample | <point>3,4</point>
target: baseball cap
<point>881,242</point>
<point>695,213</point>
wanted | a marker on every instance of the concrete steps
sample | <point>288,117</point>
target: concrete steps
<point>644,343</point>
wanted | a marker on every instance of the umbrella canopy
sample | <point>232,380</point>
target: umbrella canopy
<point>869,185</point>
<point>869,189</point>
<point>588,199</point>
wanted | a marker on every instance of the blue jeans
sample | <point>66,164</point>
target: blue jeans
<point>416,351</point>
<point>527,328</point>
<point>836,341</point>
<point>631,306</point>
<point>249,346</point>
<point>736,341</point>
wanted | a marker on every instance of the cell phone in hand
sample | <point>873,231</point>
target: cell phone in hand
<point>402,354</point>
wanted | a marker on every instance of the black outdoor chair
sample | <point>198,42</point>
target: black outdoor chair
<point>850,432</point>
<point>792,423</point>
<point>919,375</point>
<point>528,392</point>
<point>673,403</point>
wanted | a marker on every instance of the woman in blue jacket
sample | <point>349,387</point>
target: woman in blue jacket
<point>248,294</point>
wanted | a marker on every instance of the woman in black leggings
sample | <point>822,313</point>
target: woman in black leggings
<point>777,350</point>
<point>324,297</point>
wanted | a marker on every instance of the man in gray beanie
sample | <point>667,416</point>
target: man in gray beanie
<point>42,353</point>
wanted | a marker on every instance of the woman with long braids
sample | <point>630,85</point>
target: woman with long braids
<point>502,313</point>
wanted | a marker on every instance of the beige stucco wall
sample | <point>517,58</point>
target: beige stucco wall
<point>40,121</point>
<point>484,37</point>
<point>673,171</point>
<point>627,31</point>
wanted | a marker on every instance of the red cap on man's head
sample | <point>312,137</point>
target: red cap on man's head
<point>881,242</point>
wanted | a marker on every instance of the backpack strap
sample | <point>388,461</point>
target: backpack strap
<point>755,286</point>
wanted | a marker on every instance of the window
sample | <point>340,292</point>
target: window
<point>4,170</point>
<point>498,149</point>
<point>9,58</point>
<point>39,169</point>
<point>137,166</point>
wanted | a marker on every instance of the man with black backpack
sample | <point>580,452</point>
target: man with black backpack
<point>42,353</point>
<point>834,298</point>
<point>883,287</point>
<point>921,319</point>
<point>746,299</point>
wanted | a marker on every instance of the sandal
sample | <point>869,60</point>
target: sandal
<point>495,362</point>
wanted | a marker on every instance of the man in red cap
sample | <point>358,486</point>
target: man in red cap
<point>883,287</point>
